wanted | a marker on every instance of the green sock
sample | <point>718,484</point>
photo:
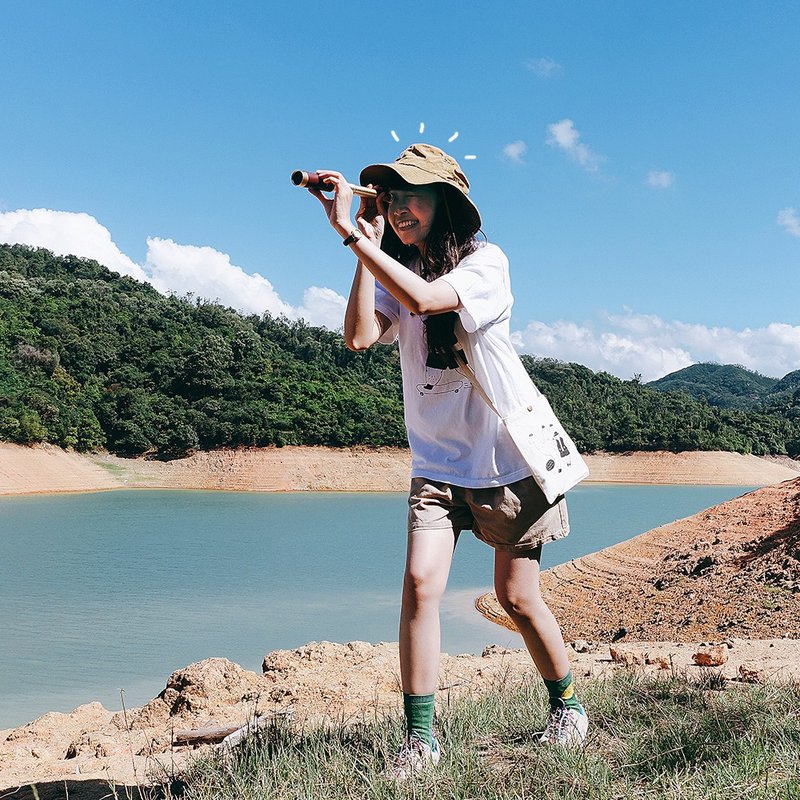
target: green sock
<point>562,692</point>
<point>419,715</point>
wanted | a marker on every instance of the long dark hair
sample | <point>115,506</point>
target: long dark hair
<point>452,237</point>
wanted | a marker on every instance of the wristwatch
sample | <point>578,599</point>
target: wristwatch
<point>354,236</point>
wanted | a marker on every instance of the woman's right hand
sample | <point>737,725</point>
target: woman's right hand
<point>338,207</point>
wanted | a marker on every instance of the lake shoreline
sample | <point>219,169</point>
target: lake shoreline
<point>47,469</point>
<point>717,589</point>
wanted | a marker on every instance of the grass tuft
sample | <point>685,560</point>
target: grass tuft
<point>654,738</point>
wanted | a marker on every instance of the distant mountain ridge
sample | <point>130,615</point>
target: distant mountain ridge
<point>728,385</point>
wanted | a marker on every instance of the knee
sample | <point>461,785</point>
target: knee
<point>423,586</point>
<point>519,604</point>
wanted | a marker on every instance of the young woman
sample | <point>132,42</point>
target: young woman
<point>424,278</point>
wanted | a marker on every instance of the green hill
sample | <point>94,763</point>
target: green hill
<point>788,385</point>
<point>724,385</point>
<point>90,360</point>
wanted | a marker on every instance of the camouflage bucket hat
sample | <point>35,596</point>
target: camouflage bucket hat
<point>424,164</point>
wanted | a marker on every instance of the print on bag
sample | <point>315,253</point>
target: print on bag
<point>552,443</point>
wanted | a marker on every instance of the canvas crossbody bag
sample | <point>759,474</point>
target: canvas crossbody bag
<point>547,448</point>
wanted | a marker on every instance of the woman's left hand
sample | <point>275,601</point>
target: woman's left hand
<point>337,208</point>
<point>371,216</point>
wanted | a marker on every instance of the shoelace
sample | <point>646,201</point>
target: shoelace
<point>558,723</point>
<point>409,753</point>
<point>409,757</point>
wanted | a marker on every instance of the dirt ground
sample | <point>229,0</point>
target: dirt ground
<point>93,747</point>
<point>731,569</point>
<point>45,468</point>
<point>719,589</point>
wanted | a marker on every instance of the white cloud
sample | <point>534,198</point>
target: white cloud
<point>544,67</point>
<point>660,179</point>
<point>66,233</point>
<point>629,343</point>
<point>789,220</point>
<point>204,271</point>
<point>566,137</point>
<point>323,306</point>
<point>514,151</point>
<point>169,267</point>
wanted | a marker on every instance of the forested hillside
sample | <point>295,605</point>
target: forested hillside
<point>89,359</point>
<point>725,385</point>
<point>730,386</point>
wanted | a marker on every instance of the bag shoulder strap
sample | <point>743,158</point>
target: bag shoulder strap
<point>466,370</point>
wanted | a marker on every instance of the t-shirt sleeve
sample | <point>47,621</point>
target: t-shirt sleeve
<point>390,308</point>
<point>483,287</point>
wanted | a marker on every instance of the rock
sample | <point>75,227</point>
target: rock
<point>627,657</point>
<point>748,673</point>
<point>494,649</point>
<point>102,746</point>
<point>202,687</point>
<point>711,656</point>
<point>582,646</point>
<point>702,566</point>
<point>361,650</point>
<point>657,659</point>
<point>620,634</point>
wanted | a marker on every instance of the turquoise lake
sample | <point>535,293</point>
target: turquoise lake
<point>118,589</point>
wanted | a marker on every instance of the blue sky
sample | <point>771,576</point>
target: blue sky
<point>638,162</point>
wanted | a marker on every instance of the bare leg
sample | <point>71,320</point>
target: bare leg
<point>516,584</point>
<point>427,566</point>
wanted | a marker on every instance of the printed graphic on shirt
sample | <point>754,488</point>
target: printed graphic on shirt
<point>442,381</point>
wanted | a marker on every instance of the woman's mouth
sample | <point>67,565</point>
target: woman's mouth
<point>405,224</point>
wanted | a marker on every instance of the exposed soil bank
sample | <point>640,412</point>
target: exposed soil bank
<point>733,568</point>
<point>46,468</point>
<point>94,747</point>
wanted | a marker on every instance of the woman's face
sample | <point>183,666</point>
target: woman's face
<point>411,212</point>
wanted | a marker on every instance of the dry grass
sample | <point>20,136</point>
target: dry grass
<point>650,738</point>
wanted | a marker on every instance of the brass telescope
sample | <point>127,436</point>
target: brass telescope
<point>300,178</point>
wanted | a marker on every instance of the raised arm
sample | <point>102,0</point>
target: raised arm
<point>363,325</point>
<point>415,293</point>
<point>412,291</point>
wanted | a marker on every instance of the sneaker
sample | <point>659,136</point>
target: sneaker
<point>565,726</point>
<point>413,757</point>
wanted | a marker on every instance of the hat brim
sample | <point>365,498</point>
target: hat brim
<point>384,174</point>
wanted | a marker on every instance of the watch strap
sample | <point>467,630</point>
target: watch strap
<point>354,236</point>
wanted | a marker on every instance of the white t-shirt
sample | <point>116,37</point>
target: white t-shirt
<point>454,436</point>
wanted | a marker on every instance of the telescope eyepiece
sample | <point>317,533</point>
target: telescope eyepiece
<point>299,178</point>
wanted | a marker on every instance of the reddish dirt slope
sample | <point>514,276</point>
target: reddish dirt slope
<point>732,568</point>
